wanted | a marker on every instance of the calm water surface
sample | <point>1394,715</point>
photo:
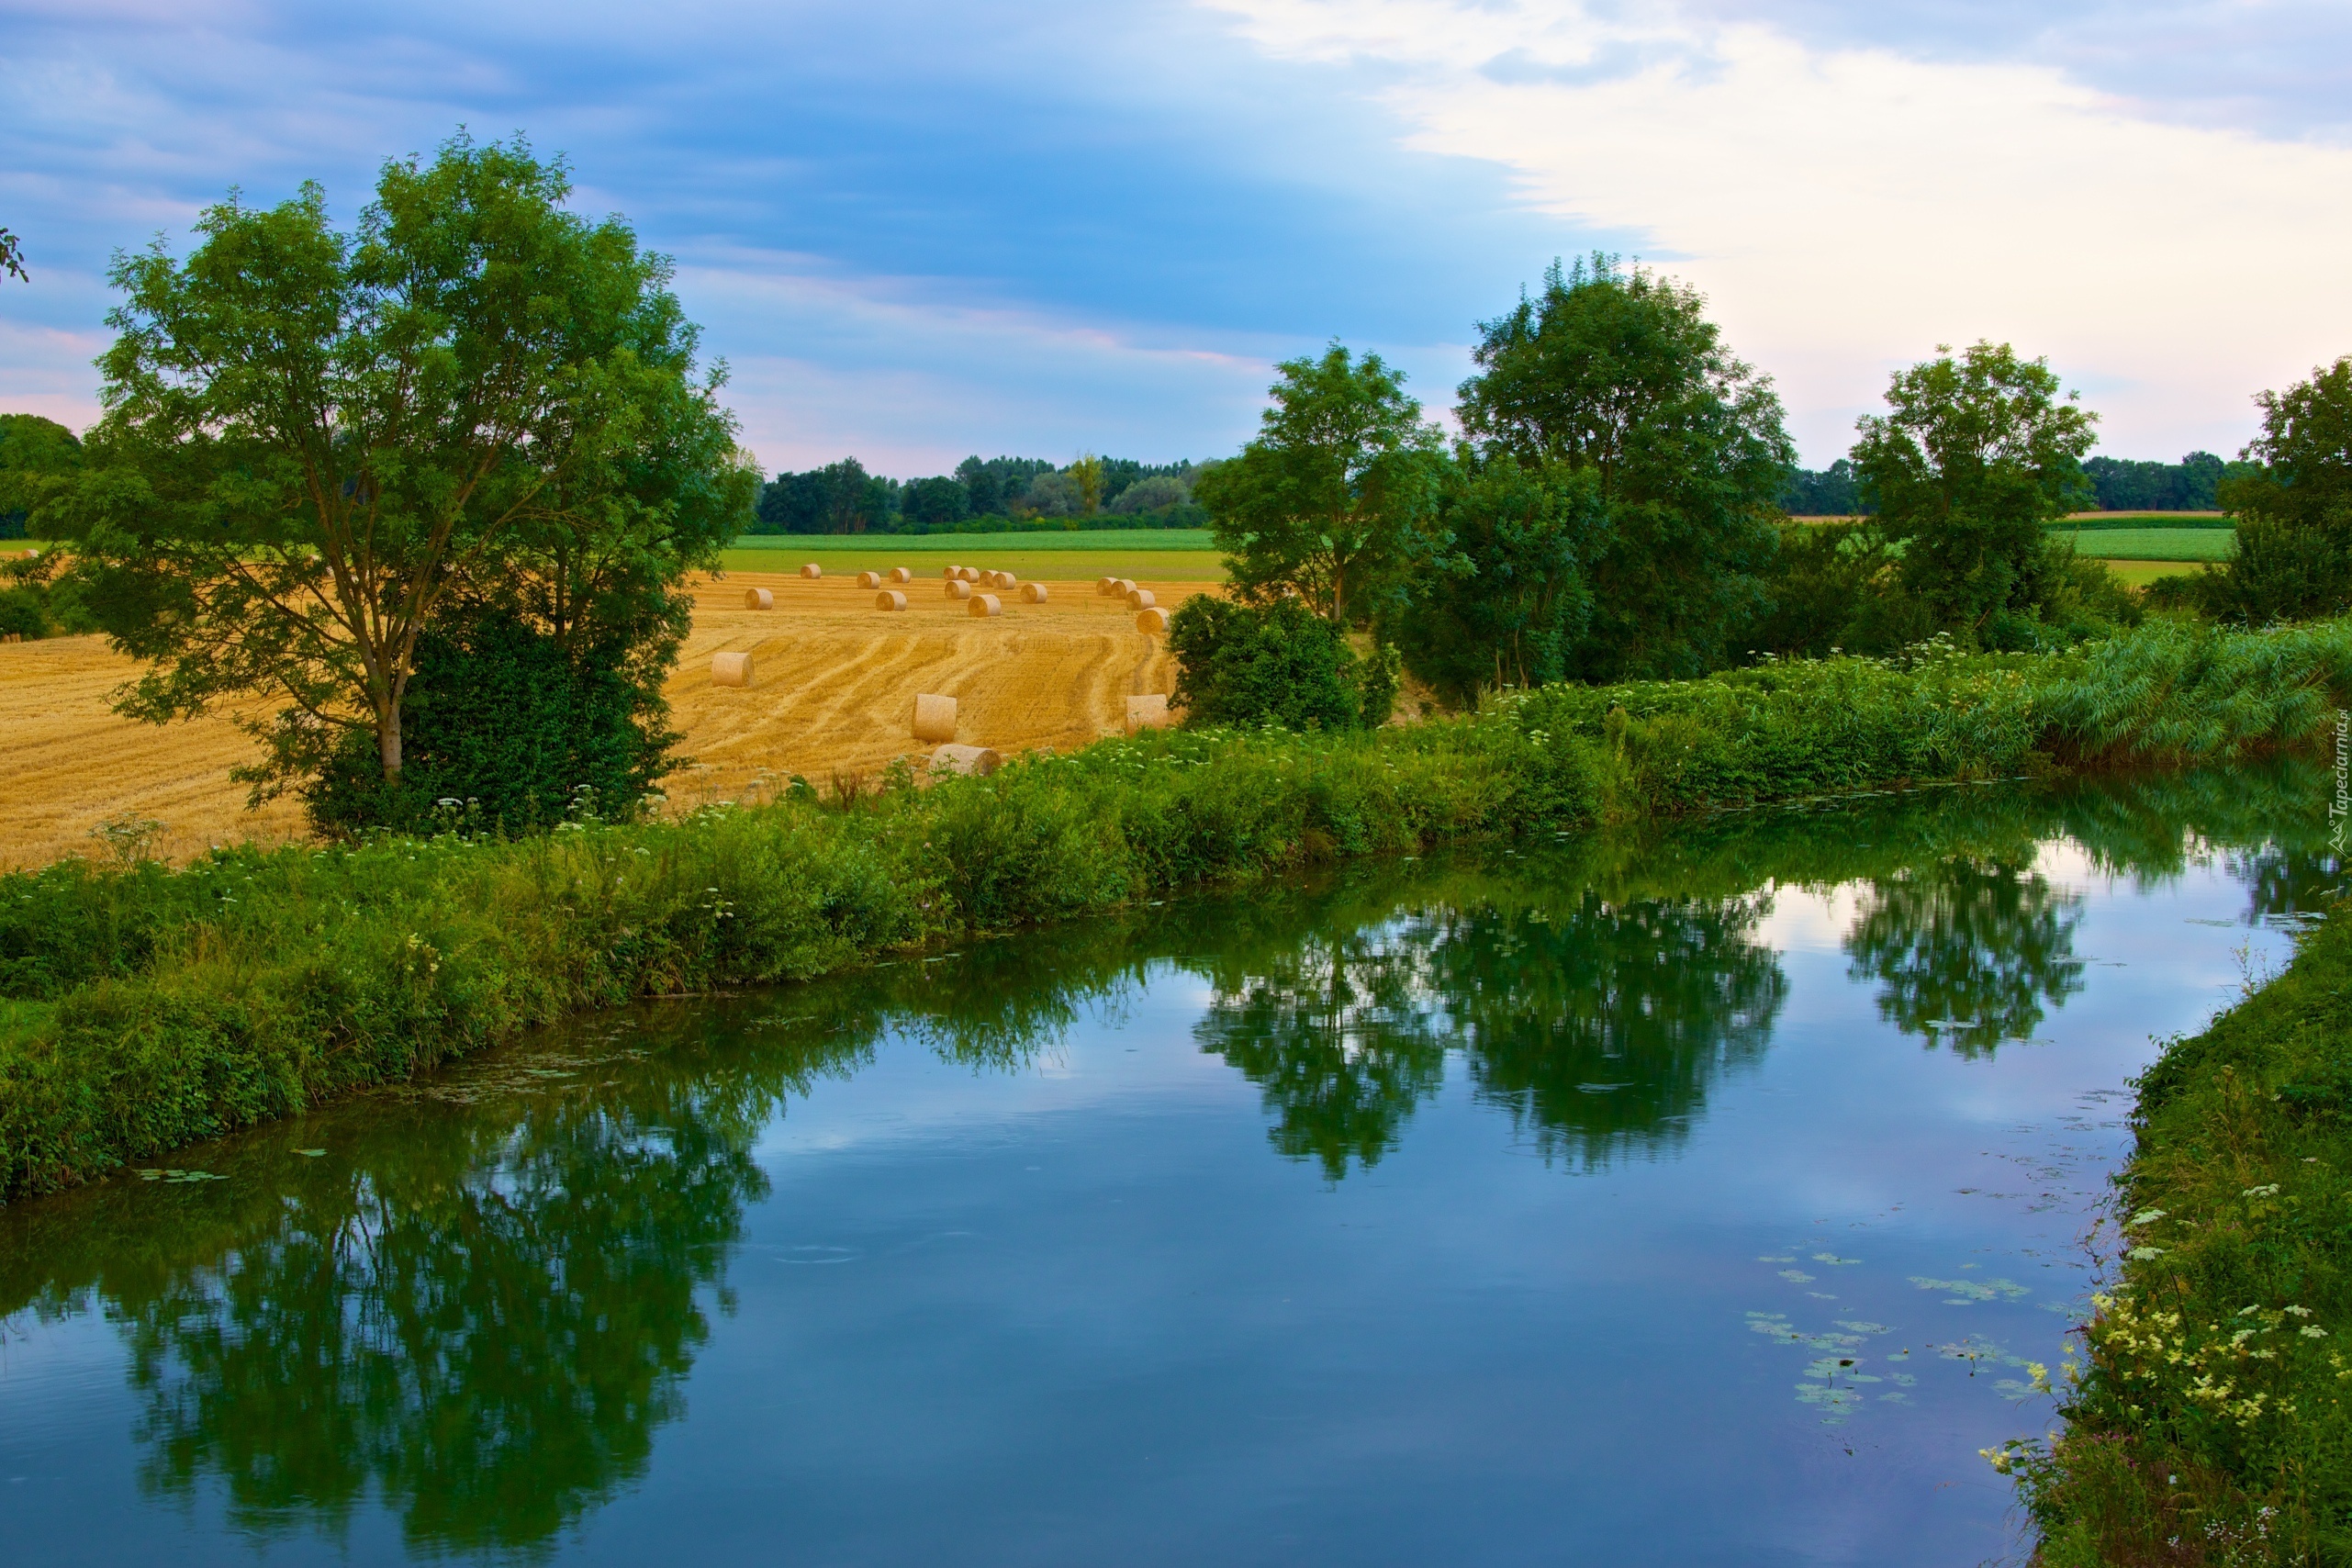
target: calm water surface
<point>1696,1198</point>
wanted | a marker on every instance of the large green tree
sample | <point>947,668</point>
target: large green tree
<point>1976,452</point>
<point>1335,499</point>
<point>2294,555</point>
<point>1617,371</point>
<point>316,442</point>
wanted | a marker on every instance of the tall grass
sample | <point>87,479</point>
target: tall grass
<point>142,1008</point>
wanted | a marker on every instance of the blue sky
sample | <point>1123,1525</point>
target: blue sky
<point>917,231</point>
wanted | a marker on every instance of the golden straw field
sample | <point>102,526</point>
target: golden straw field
<point>833,683</point>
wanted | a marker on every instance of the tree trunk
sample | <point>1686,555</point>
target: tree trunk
<point>387,742</point>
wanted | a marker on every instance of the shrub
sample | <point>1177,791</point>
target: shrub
<point>1242,666</point>
<point>500,719</point>
<point>21,612</point>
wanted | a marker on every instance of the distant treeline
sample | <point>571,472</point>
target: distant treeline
<point>2117,483</point>
<point>984,494</point>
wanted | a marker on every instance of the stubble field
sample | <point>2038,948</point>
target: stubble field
<point>833,683</point>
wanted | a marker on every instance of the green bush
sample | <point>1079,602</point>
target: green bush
<point>2285,569</point>
<point>21,612</point>
<point>142,1008</point>
<point>506,727</point>
<point>1244,667</point>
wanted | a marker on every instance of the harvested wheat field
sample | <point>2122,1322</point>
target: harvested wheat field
<point>67,763</point>
<point>835,679</point>
<point>834,682</point>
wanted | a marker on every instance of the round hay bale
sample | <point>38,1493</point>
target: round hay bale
<point>1148,713</point>
<point>1004,582</point>
<point>812,570</point>
<point>934,717</point>
<point>1034,592</point>
<point>1152,620</point>
<point>869,579</point>
<point>953,574</point>
<point>731,669</point>
<point>889,599</point>
<point>976,761</point>
<point>959,590</point>
<point>1122,586</point>
<point>758,598</point>
<point>900,575</point>
<point>1103,587</point>
<point>970,574</point>
<point>1141,598</point>
<point>986,604</point>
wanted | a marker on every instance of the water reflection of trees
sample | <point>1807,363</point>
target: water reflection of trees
<point>1336,1031</point>
<point>482,1323</point>
<point>1598,1026</point>
<point>1967,950</point>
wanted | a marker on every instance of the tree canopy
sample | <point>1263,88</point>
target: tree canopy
<point>315,440</point>
<point>1334,499</point>
<point>2294,533</point>
<point>1618,372</point>
<point>1976,452</point>
<point>1519,603</point>
<point>32,450</point>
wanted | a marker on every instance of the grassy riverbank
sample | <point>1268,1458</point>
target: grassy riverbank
<point>2213,1423</point>
<point>143,1008</point>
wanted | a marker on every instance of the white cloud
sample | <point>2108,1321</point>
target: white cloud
<point>1848,208</point>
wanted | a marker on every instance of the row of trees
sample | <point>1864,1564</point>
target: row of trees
<point>1613,508</point>
<point>2117,483</point>
<point>843,497</point>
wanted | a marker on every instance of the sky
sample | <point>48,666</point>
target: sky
<point>915,230</point>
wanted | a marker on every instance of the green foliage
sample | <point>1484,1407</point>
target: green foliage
<point>2216,1406</point>
<point>2294,538</point>
<point>149,1008</point>
<point>1621,372</point>
<point>31,448</point>
<point>1832,588</point>
<point>1248,666</point>
<point>840,498</point>
<point>315,439</point>
<point>1974,456</point>
<point>506,732</point>
<point>23,612</point>
<point>1335,499</point>
<point>1513,609</point>
<point>35,603</point>
<point>2193,484</point>
<point>1830,492</point>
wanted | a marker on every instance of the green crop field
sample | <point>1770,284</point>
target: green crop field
<point>2152,543</point>
<point>2215,519</point>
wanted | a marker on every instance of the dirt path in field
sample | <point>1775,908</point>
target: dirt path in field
<point>833,685</point>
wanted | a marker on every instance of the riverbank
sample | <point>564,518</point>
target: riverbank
<point>147,1008</point>
<point>2213,1421</point>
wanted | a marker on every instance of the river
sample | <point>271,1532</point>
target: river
<point>1707,1194</point>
